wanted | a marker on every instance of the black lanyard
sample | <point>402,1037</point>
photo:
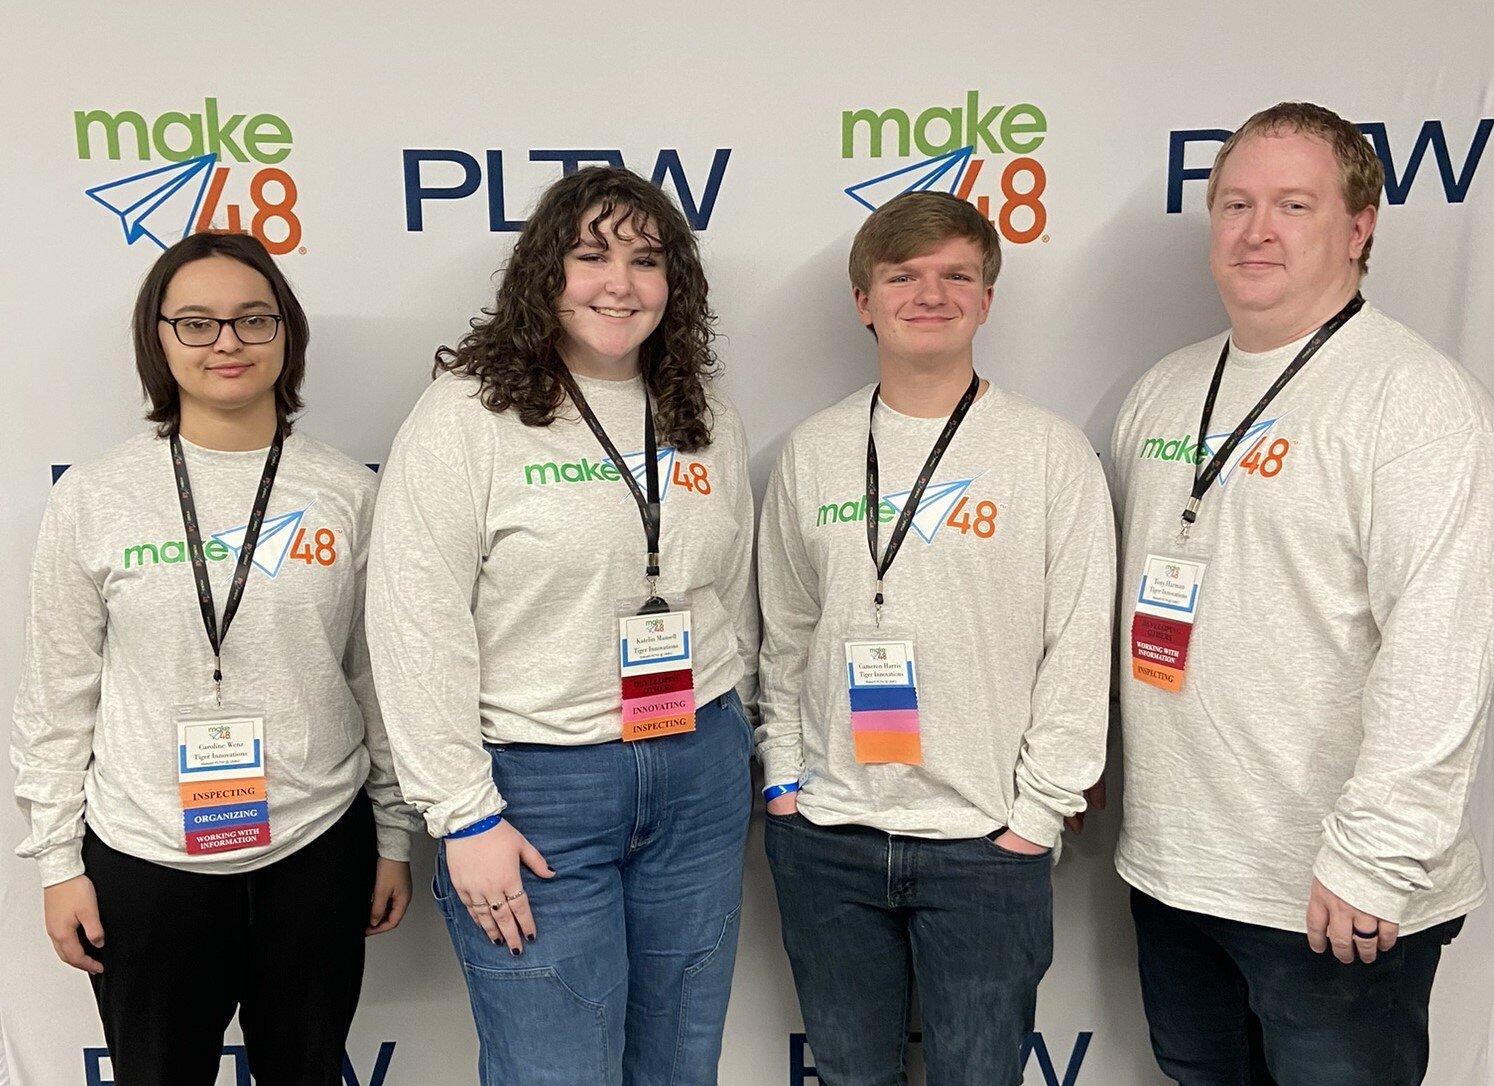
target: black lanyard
<point>1203,477</point>
<point>648,505</point>
<point>215,633</point>
<point>910,507</point>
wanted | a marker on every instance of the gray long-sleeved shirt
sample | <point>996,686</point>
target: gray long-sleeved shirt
<point>501,555</point>
<point>1340,667</point>
<point>1005,581</point>
<point>115,643</point>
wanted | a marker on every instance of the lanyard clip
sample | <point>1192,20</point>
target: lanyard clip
<point>218,680</point>
<point>877,603</point>
<point>1185,522</point>
<point>651,574</point>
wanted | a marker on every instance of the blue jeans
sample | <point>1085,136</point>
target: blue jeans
<point>865,912</point>
<point>1234,1004</point>
<point>628,977</point>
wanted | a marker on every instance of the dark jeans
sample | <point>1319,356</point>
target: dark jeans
<point>864,913</point>
<point>283,945</point>
<point>1233,1004</point>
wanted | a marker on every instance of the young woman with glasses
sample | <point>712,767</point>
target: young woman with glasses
<point>197,745</point>
<point>570,467</point>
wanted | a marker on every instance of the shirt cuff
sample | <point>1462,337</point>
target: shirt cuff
<point>61,863</point>
<point>453,814</point>
<point>1347,878</point>
<point>782,764</point>
<point>1034,822</point>
<point>393,843</point>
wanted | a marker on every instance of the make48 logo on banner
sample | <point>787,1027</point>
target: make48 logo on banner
<point>979,150</point>
<point>221,172</point>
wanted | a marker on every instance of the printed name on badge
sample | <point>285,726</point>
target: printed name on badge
<point>221,769</point>
<point>1166,606</point>
<point>882,681</point>
<point>222,748</point>
<point>658,675</point>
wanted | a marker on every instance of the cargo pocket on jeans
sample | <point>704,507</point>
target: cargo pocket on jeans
<point>703,998</point>
<point>528,1017</point>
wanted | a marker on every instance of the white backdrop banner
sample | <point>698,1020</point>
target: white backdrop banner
<point>389,154</point>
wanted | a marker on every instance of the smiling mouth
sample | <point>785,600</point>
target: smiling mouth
<point>604,311</point>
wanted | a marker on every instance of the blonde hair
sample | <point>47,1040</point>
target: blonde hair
<point>915,222</point>
<point>1360,174</point>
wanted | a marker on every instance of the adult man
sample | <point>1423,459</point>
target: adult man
<point>934,672</point>
<point>1309,641</point>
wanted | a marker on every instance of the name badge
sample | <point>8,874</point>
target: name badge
<point>882,679</point>
<point>221,776</point>
<point>658,675</point>
<point>1166,606</point>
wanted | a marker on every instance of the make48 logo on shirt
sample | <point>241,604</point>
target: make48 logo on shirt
<point>282,538</point>
<point>943,505</point>
<point>675,470</point>
<point>1254,455</point>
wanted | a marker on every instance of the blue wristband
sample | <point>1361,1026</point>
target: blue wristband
<point>482,825</point>
<point>770,794</point>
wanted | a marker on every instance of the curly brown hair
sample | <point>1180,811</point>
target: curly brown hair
<point>511,348</point>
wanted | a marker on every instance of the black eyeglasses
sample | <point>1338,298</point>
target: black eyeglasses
<point>251,329</point>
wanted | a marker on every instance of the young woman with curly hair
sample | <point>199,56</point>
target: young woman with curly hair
<point>591,859</point>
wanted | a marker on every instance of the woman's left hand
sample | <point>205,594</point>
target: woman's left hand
<point>391,896</point>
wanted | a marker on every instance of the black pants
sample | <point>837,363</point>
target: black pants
<point>1233,1004</point>
<point>283,944</point>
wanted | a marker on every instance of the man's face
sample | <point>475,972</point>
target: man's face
<point>929,305</point>
<point>1281,239</point>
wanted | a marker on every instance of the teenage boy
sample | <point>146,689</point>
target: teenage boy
<point>937,568</point>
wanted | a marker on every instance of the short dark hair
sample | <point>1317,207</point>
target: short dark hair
<point>156,380</point>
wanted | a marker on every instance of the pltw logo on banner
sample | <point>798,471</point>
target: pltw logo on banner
<point>434,174</point>
<point>1402,161</point>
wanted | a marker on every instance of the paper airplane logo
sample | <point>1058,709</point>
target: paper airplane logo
<point>638,464</point>
<point>941,174</point>
<point>276,535</point>
<point>933,509</point>
<point>1248,444</point>
<point>159,204</point>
